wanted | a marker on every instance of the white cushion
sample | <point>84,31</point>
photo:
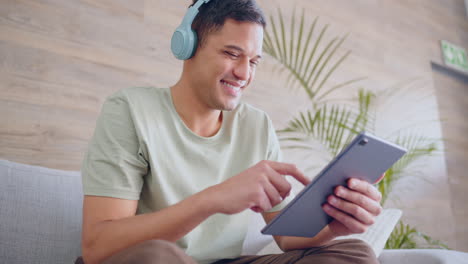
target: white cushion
<point>376,236</point>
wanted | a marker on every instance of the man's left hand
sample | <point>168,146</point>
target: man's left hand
<point>354,208</point>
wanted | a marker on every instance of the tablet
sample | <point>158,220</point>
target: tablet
<point>366,157</point>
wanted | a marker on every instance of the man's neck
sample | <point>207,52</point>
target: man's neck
<point>197,117</point>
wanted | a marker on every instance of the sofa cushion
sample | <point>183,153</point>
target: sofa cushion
<point>40,214</point>
<point>423,256</point>
<point>375,236</point>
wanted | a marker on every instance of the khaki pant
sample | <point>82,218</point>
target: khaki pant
<point>335,252</point>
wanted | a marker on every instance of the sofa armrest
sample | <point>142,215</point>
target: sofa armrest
<point>422,256</point>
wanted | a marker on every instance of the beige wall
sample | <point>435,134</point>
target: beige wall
<point>60,59</point>
<point>452,95</point>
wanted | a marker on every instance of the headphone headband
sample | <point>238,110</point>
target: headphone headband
<point>192,12</point>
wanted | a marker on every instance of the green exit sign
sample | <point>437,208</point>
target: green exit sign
<point>454,56</point>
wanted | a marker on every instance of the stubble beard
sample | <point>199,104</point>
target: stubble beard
<point>218,104</point>
<point>229,106</point>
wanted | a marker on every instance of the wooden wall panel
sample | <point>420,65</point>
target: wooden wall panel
<point>452,94</point>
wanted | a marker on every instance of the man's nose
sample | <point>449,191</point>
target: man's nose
<point>242,70</point>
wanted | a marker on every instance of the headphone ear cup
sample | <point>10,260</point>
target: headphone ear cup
<point>184,43</point>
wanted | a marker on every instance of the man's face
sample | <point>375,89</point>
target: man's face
<point>224,65</point>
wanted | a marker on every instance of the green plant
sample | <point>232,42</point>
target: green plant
<point>309,63</point>
<point>307,66</point>
<point>404,236</point>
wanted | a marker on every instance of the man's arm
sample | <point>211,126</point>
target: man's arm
<point>110,224</point>
<point>287,243</point>
<point>354,210</point>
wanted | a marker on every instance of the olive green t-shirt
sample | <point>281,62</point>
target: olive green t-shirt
<point>142,150</point>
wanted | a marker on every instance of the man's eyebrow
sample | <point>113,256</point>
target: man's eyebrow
<point>239,49</point>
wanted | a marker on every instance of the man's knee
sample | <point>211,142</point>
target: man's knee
<point>151,252</point>
<point>155,249</point>
<point>345,251</point>
<point>361,249</point>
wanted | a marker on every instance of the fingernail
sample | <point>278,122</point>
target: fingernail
<point>339,192</point>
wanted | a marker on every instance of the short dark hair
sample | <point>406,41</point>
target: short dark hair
<point>213,15</point>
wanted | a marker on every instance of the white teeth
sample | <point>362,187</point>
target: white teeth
<point>231,86</point>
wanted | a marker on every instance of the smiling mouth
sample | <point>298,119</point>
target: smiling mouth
<point>234,88</point>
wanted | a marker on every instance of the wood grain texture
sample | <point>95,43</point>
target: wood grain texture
<point>452,94</point>
<point>60,59</point>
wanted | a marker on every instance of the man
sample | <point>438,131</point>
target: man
<point>171,174</point>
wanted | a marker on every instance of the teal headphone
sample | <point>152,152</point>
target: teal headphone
<point>184,39</point>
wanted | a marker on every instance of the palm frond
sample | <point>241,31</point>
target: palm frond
<point>338,86</point>
<point>407,237</point>
<point>418,146</point>
<point>316,89</point>
<point>307,67</point>
<point>332,126</point>
<point>402,237</point>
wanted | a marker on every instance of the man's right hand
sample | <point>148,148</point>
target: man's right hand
<point>259,188</point>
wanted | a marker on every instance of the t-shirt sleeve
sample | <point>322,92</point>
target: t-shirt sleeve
<point>114,165</point>
<point>275,154</point>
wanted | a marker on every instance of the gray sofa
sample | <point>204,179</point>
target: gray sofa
<point>40,214</point>
<point>40,220</point>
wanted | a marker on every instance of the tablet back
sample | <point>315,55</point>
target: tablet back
<point>366,157</point>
